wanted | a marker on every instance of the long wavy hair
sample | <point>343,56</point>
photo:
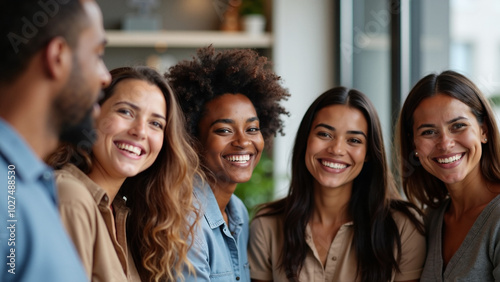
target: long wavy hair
<point>373,197</point>
<point>160,197</point>
<point>421,187</point>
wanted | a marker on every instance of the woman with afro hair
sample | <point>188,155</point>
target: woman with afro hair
<point>231,100</point>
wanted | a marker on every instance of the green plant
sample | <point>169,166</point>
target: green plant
<point>495,100</point>
<point>249,7</point>
<point>259,189</point>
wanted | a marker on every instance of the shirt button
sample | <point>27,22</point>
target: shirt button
<point>105,198</point>
<point>237,278</point>
<point>47,175</point>
<point>334,258</point>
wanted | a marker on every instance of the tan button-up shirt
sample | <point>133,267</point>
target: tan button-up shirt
<point>86,213</point>
<point>266,239</point>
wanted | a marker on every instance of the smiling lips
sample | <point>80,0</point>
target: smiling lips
<point>449,159</point>
<point>129,148</point>
<point>333,165</point>
<point>238,158</point>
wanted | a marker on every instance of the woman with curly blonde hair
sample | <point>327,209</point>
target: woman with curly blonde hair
<point>142,159</point>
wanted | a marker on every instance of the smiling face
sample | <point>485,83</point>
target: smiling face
<point>231,138</point>
<point>337,146</point>
<point>448,138</point>
<point>130,129</point>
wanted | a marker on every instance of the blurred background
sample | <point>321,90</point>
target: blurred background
<point>381,47</point>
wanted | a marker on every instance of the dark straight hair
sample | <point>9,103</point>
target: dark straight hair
<point>373,196</point>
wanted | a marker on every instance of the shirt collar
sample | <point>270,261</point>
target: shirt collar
<point>95,190</point>
<point>18,153</point>
<point>211,210</point>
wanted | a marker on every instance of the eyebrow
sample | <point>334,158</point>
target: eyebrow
<point>425,125</point>
<point>230,121</point>
<point>135,107</point>
<point>329,127</point>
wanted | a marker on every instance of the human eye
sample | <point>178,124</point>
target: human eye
<point>324,135</point>
<point>253,129</point>
<point>428,132</point>
<point>223,130</point>
<point>124,111</point>
<point>355,140</point>
<point>459,126</point>
<point>157,124</point>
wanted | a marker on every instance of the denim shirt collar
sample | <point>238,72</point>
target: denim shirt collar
<point>19,153</point>
<point>16,151</point>
<point>211,209</point>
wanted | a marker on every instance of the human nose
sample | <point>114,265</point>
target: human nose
<point>105,76</point>
<point>336,147</point>
<point>241,140</point>
<point>138,129</point>
<point>445,142</point>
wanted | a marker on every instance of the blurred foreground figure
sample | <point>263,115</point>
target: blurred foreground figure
<point>51,74</point>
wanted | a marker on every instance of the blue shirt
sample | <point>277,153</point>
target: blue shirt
<point>219,251</point>
<point>34,245</point>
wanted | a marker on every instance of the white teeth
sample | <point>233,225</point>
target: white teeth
<point>450,159</point>
<point>238,158</point>
<point>333,165</point>
<point>129,148</point>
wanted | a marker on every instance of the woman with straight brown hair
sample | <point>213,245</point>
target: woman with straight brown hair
<point>448,143</point>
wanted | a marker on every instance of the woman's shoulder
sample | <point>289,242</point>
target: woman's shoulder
<point>71,187</point>
<point>491,213</point>
<point>406,218</point>
<point>266,226</point>
<point>264,218</point>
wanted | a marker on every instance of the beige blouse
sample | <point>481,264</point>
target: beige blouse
<point>266,239</point>
<point>88,218</point>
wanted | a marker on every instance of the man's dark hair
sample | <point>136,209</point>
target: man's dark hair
<point>27,26</point>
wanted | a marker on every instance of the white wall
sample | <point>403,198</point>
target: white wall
<point>303,56</point>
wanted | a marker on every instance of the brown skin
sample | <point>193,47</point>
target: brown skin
<point>338,135</point>
<point>229,127</point>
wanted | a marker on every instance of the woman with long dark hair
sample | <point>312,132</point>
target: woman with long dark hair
<point>342,219</point>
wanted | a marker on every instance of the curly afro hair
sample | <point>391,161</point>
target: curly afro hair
<point>211,74</point>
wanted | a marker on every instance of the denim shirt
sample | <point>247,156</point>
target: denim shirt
<point>219,251</point>
<point>34,245</point>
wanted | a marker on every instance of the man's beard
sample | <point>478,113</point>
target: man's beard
<point>82,135</point>
<point>75,128</point>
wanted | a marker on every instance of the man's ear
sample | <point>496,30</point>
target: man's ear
<point>58,59</point>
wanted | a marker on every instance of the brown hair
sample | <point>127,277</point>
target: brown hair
<point>420,186</point>
<point>160,197</point>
